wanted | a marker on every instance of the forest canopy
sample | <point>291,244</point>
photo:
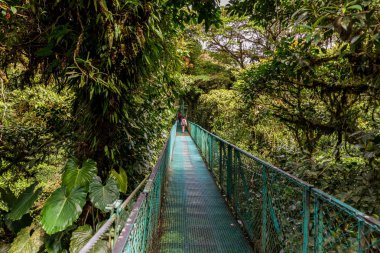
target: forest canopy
<point>298,84</point>
<point>87,97</point>
<point>89,90</point>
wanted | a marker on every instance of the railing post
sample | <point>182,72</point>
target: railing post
<point>210,153</point>
<point>306,218</point>
<point>204,143</point>
<point>264,225</point>
<point>318,226</point>
<point>221,157</point>
<point>236,179</point>
<point>229,172</point>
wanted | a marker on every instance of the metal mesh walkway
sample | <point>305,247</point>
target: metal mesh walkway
<point>181,209</point>
<point>195,217</point>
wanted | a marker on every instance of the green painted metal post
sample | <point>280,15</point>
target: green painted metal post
<point>221,148</point>
<point>235,179</point>
<point>229,173</point>
<point>264,213</point>
<point>306,218</point>
<point>209,152</point>
<point>211,147</point>
<point>205,143</point>
<point>360,233</point>
<point>274,219</point>
<point>318,226</point>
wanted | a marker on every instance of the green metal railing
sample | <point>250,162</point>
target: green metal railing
<point>280,212</point>
<point>137,234</point>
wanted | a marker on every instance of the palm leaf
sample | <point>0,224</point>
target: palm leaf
<point>62,208</point>
<point>29,239</point>
<point>121,179</point>
<point>74,176</point>
<point>24,202</point>
<point>103,195</point>
<point>81,236</point>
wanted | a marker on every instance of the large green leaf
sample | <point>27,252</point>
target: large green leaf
<point>103,195</point>
<point>81,236</point>
<point>53,243</point>
<point>29,239</point>
<point>74,176</point>
<point>121,179</point>
<point>62,208</point>
<point>24,202</point>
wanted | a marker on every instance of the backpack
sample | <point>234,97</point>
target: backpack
<point>184,122</point>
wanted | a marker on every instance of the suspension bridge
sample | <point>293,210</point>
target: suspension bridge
<point>207,195</point>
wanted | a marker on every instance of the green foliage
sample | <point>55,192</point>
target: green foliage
<point>205,11</point>
<point>17,225</point>
<point>321,91</point>
<point>309,103</point>
<point>29,239</point>
<point>265,12</point>
<point>75,176</point>
<point>32,136</point>
<point>31,149</point>
<point>24,202</point>
<point>62,209</point>
<point>4,248</point>
<point>103,195</point>
<point>58,242</point>
<point>7,198</point>
<point>81,236</point>
<point>115,66</point>
<point>220,110</point>
<point>121,179</point>
<point>238,43</point>
<point>118,60</point>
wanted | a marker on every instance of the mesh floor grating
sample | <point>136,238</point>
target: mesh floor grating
<point>195,217</point>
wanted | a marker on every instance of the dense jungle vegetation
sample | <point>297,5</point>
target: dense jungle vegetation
<point>296,83</point>
<point>88,92</point>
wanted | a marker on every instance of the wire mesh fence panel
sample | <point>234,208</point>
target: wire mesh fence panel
<point>142,223</point>
<point>340,228</point>
<point>285,213</point>
<point>280,212</point>
<point>249,197</point>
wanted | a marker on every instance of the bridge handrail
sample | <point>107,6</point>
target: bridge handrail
<point>137,233</point>
<point>259,204</point>
<point>105,227</point>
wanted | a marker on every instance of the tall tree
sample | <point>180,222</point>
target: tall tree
<point>238,41</point>
<point>105,52</point>
<point>322,81</point>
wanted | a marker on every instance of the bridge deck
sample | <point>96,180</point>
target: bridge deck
<point>195,217</point>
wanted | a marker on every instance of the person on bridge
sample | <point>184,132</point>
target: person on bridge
<point>183,124</point>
